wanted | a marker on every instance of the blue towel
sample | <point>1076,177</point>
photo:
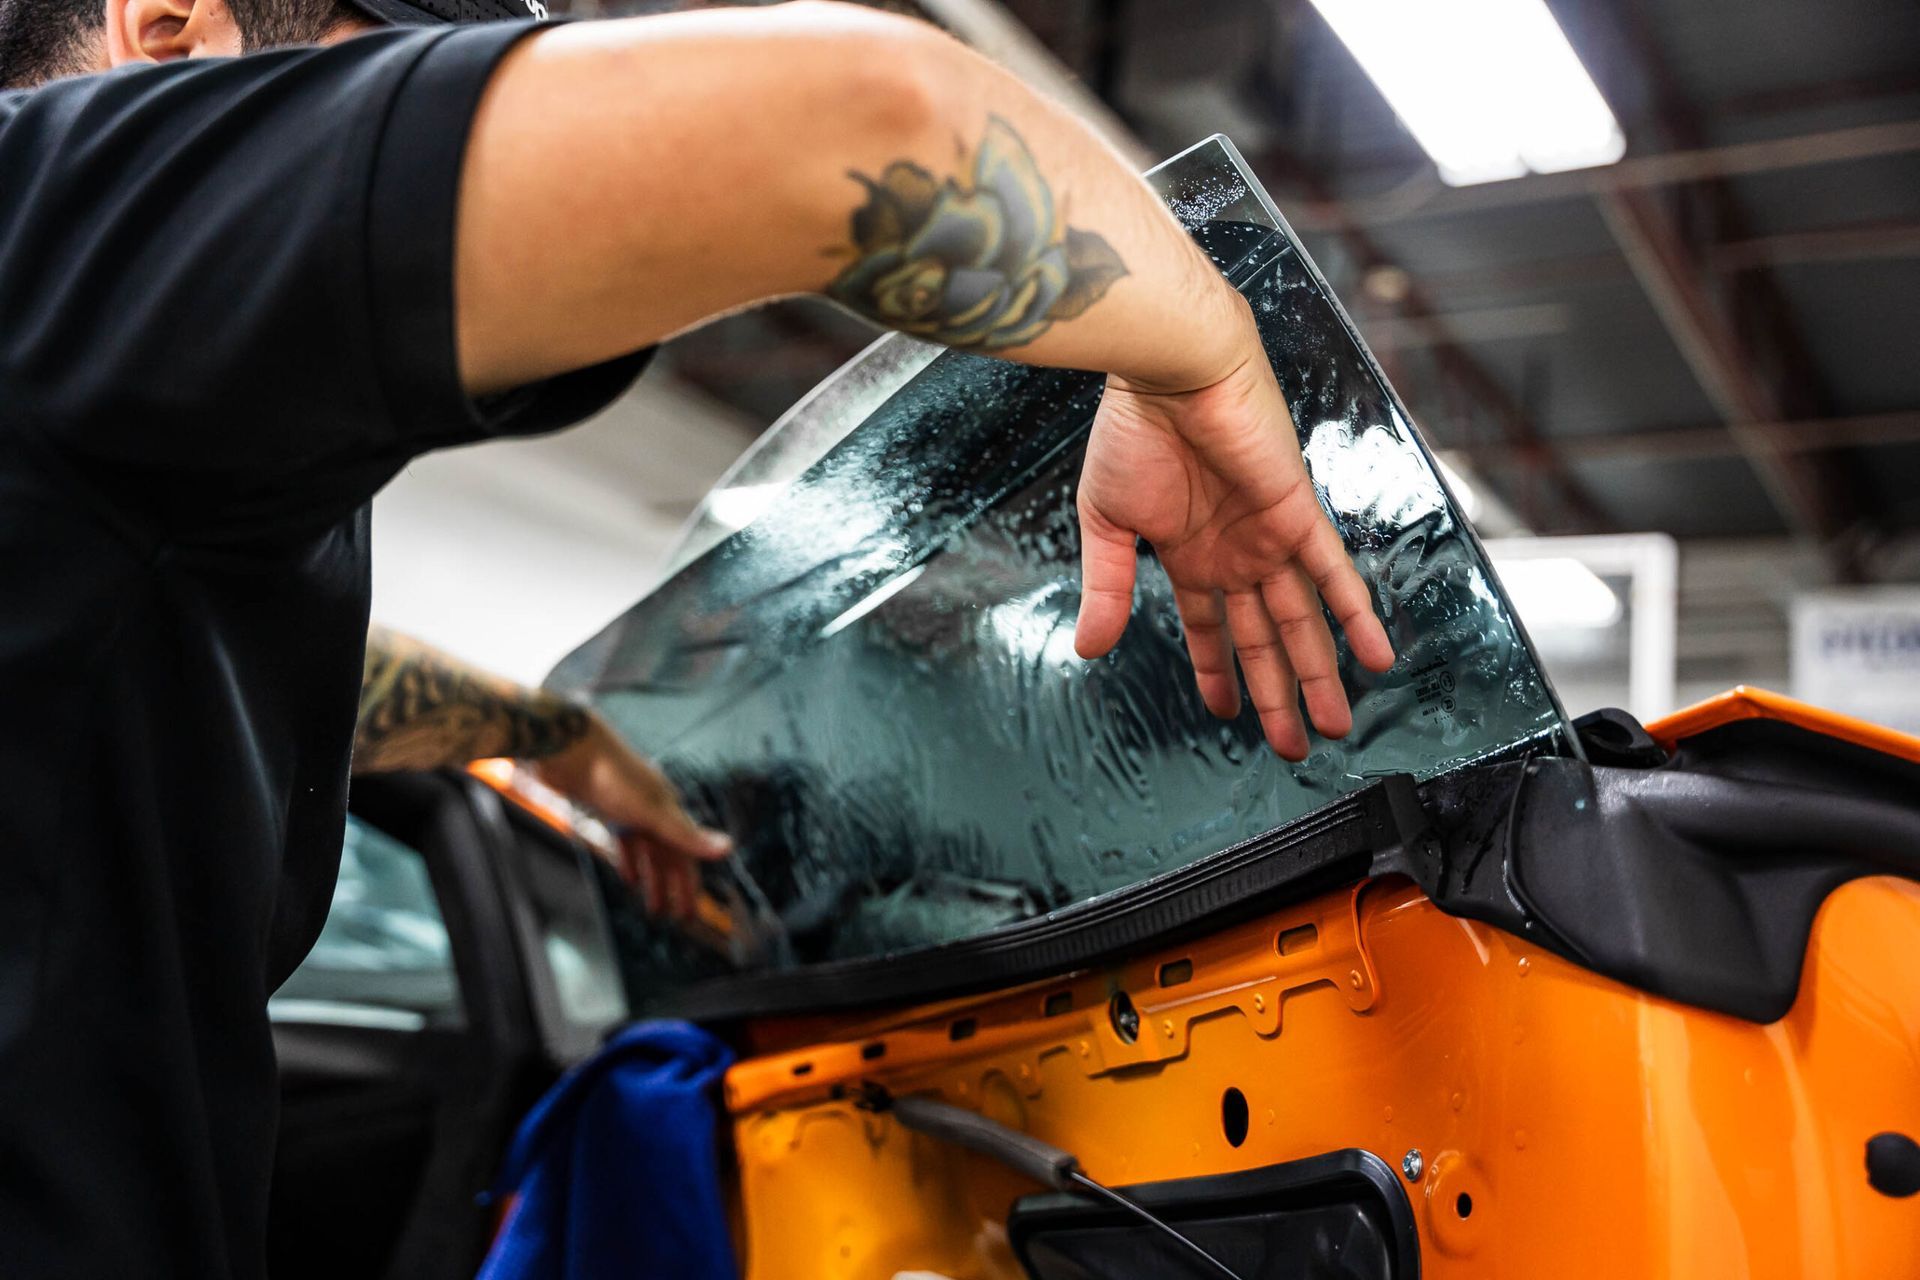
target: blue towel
<point>616,1168</point>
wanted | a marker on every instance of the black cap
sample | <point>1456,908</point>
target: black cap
<point>427,13</point>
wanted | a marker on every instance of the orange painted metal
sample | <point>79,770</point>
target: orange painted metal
<point>1570,1126</point>
<point>709,925</point>
<point>511,780</point>
<point>1747,703</point>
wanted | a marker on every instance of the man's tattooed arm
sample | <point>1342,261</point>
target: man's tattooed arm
<point>421,709</point>
<point>983,216</point>
<point>984,261</point>
<point>842,151</point>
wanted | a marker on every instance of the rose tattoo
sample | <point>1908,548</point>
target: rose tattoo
<point>986,267</point>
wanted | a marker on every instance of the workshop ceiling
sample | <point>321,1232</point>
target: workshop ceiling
<point>1713,338</point>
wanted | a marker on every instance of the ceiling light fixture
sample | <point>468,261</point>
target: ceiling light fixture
<point>1490,88</point>
<point>1558,591</point>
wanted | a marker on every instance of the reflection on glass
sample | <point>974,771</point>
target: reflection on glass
<point>872,686</point>
<point>1580,621</point>
<point>383,958</point>
<point>559,887</point>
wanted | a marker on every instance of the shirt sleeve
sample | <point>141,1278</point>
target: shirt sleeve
<point>234,277</point>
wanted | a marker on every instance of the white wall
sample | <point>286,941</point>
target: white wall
<point>509,554</point>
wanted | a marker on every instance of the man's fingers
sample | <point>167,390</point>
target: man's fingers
<point>690,889</point>
<point>631,853</point>
<point>672,828</point>
<point>678,876</point>
<point>1295,610</point>
<point>1325,559</point>
<point>668,881</point>
<point>702,843</point>
<point>1269,675</point>
<point>1203,618</point>
<point>646,875</point>
<point>1106,583</point>
<point>666,871</point>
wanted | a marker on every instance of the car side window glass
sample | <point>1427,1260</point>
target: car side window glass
<point>868,677</point>
<point>572,935</point>
<point>383,959</point>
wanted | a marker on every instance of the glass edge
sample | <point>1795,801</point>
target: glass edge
<point>677,557</point>
<point>677,563</point>
<point>1393,395</point>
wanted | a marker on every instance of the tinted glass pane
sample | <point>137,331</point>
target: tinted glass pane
<point>557,882</point>
<point>383,958</point>
<point>872,684</point>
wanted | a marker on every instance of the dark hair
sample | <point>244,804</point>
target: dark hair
<point>42,39</point>
<point>269,24</point>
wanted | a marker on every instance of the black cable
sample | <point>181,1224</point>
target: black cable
<point>1045,1164</point>
<point>1134,1207</point>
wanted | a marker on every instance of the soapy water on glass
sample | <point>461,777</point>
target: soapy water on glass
<point>872,686</point>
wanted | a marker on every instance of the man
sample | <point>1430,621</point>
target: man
<point>424,709</point>
<point>238,294</point>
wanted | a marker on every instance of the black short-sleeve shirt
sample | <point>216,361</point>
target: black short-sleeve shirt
<point>226,320</point>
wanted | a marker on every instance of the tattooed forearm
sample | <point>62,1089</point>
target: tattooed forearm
<point>420,709</point>
<point>987,266</point>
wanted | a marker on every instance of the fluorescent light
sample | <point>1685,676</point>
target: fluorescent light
<point>1490,88</point>
<point>873,600</point>
<point>1463,493</point>
<point>740,506</point>
<point>1558,591</point>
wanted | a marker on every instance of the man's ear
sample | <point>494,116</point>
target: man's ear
<point>164,30</point>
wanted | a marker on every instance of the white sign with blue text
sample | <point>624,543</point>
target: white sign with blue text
<point>1857,651</point>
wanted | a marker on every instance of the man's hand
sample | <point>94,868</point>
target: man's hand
<point>875,160</point>
<point>424,709</point>
<point>1213,478</point>
<point>661,846</point>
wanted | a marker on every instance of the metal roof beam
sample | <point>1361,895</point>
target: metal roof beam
<point>1729,369</point>
<point>1738,334</point>
<point>1418,323</point>
<point>1884,241</point>
<point>1861,242</point>
<point>1716,440</point>
<point>1424,196</point>
<point>1849,91</point>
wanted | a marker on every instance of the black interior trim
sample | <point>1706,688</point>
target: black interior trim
<point>501,1068</point>
<point>525,838</point>
<point>1352,1176</point>
<point>1695,876</point>
<point>1335,844</point>
<point>1698,878</point>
